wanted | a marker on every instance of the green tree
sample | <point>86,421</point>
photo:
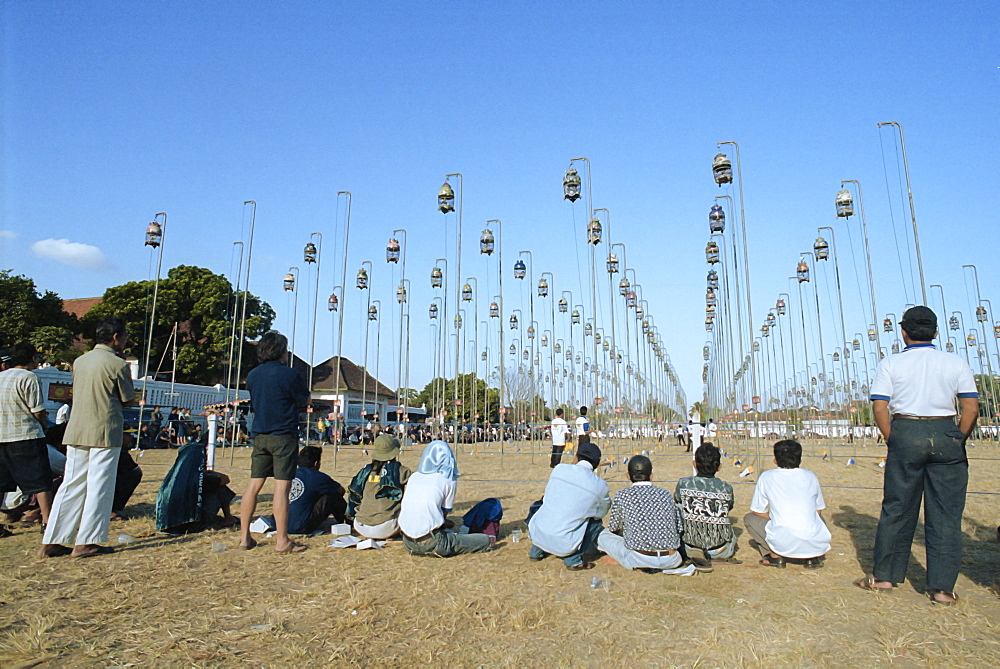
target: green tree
<point>53,342</point>
<point>25,311</point>
<point>202,304</point>
<point>439,394</point>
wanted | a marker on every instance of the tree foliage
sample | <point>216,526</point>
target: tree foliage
<point>202,304</point>
<point>473,392</point>
<point>29,316</point>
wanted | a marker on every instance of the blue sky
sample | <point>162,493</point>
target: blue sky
<point>113,112</point>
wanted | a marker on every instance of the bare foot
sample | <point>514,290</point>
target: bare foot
<point>249,544</point>
<point>608,560</point>
<point>88,550</point>
<point>52,550</point>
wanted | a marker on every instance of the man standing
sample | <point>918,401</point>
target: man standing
<point>913,401</point>
<point>277,392</point>
<point>559,430</point>
<point>569,520</point>
<point>644,526</point>
<point>582,424</point>
<point>24,459</point>
<point>102,385</point>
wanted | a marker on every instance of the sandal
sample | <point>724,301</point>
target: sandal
<point>933,594</point>
<point>291,548</point>
<point>869,582</point>
<point>583,566</point>
<point>773,561</point>
<point>250,545</point>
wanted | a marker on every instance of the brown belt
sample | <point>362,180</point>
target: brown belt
<point>900,416</point>
<point>657,553</point>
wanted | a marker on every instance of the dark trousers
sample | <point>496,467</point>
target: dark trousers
<point>557,452</point>
<point>125,485</point>
<point>926,458</point>
<point>326,505</point>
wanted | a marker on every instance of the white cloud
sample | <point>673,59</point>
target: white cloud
<point>70,253</point>
<point>8,234</point>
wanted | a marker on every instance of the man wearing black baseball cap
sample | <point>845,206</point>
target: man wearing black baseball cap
<point>913,400</point>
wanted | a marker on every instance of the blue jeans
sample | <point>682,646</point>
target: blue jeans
<point>442,543</point>
<point>589,545</point>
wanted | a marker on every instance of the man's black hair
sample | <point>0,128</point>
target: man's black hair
<point>559,411</point>
<point>788,453</point>
<point>639,468</point>
<point>21,354</point>
<point>707,459</point>
<point>107,328</point>
<point>309,456</point>
<point>272,346</point>
<point>919,332</point>
<point>583,411</point>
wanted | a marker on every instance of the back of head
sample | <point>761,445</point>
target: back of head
<point>920,323</point>
<point>272,346</point>
<point>310,456</point>
<point>788,453</point>
<point>21,354</point>
<point>559,412</point>
<point>707,459</point>
<point>583,411</point>
<point>107,328</point>
<point>439,458</point>
<point>640,468</point>
<point>589,452</point>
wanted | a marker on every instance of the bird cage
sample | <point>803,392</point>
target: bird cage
<point>578,358</point>
<point>607,345</point>
<point>713,279</point>
<point>520,269</point>
<point>639,311</point>
<point>525,354</point>
<point>981,313</point>
<point>486,242</point>
<point>513,321</point>
<point>710,297</point>
<point>802,272</point>
<point>710,309</point>
<point>332,303</point>
<point>612,263</point>
<point>756,346</point>
<point>446,198</point>
<point>770,319</point>
<point>856,345</point>
<point>545,340</point>
<point>563,305</point>
<point>623,286</point>
<point>594,231</point>
<point>494,310</point>
<point>949,347</point>
<point>588,329</point>
<point>392,250</point>
<point>813,380</point>
<point>765,330</point>
<point>821,248</point>
<point>537,360</point>
<point>712,253</point>
<point>531,332</point>
<point>373,313</point>
<point>467,293</point>
<point>845,204</point>
<point>996,330</point>
<point>872,336</point>
<point>597,338</point>
<point>458,321</point>
<point>708,323</point>
<point>704,353</point>
<point>401,293</point>
<point>895,347</point>
<point>836,357</point>
<point>571,185</point>
<point>886,325</point>
<point>574,318</point>
<point>309,253</point>
<point>483,356</point>
<point>513,350</point>
<point>433,311</point>
<point>717,219</point>
<point>362,279</point>
<point>556,347</point>
<point>569,355</point>
<point>289,282</point>
<point>722,169</point>
<point>780,307</point>
<point>436,277</point>
<point>971,339</point>
<point>543,287</point>
<point>154,235</point>
<point>953,323</point>
<point>630,299</point>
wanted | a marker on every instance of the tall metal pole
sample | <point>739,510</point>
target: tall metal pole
<point>367,317</point>
<point>243,311</point>
<point>401,400</point>
<point>295,314</point>
<point>340,320</point>
<point>458,290</point>
<point>312,343</point>
<point>913,213</point>
<point>593,287</point>
<point>503,354</point>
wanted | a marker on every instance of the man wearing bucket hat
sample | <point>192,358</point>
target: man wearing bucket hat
<point>376,492</point>
<point>569,520</point>
<point>913,400</point>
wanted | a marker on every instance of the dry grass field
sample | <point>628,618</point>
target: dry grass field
<point>171,601</point>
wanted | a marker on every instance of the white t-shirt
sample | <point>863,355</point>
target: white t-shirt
<point>712,430</point>
<point>792,497</point>
<point>426,500</point>
<point>923,381</point>
<point>559,430</point>
<point>696,431</point>
<point>62,414</point>
<point>582,425</point>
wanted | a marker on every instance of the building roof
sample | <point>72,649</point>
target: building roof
<point>81,305</point>
<point>352,377</point>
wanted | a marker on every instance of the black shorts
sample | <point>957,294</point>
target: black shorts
<point>25,465</point>
<point>274,455</point>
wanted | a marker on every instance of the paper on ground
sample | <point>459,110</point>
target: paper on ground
<point>260,526</point>
<point>345,541</point>
<point>340,529</point>
<point>370,543</point>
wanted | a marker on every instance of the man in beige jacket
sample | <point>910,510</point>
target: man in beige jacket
<point>102,385</point>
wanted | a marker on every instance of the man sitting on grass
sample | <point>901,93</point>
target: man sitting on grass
<point>314,496</point>
<point>569,520</point>
<point>705,503</point>
<point>644,527</point>
<point>785,518</point>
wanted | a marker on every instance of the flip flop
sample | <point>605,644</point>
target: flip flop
<point>56,550</point>
<point>251,544</point>
<point>943,602</point>
<point>291,548</point>
<point>769,561</point>
<point>98,550</point>
<point>868,582</point>
<point>583,566</point>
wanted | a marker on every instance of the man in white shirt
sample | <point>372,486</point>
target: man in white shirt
<point>913,401</point>
<point>582,424</point>
<point>62,413</point>
<point>559,430</point>
<point>569,520</point>
<point>785,518</point>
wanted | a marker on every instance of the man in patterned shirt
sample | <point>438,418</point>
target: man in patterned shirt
<point>705,503</point>
<point>644,526</point>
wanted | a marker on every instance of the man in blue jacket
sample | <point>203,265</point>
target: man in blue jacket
<point>314,496</point>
